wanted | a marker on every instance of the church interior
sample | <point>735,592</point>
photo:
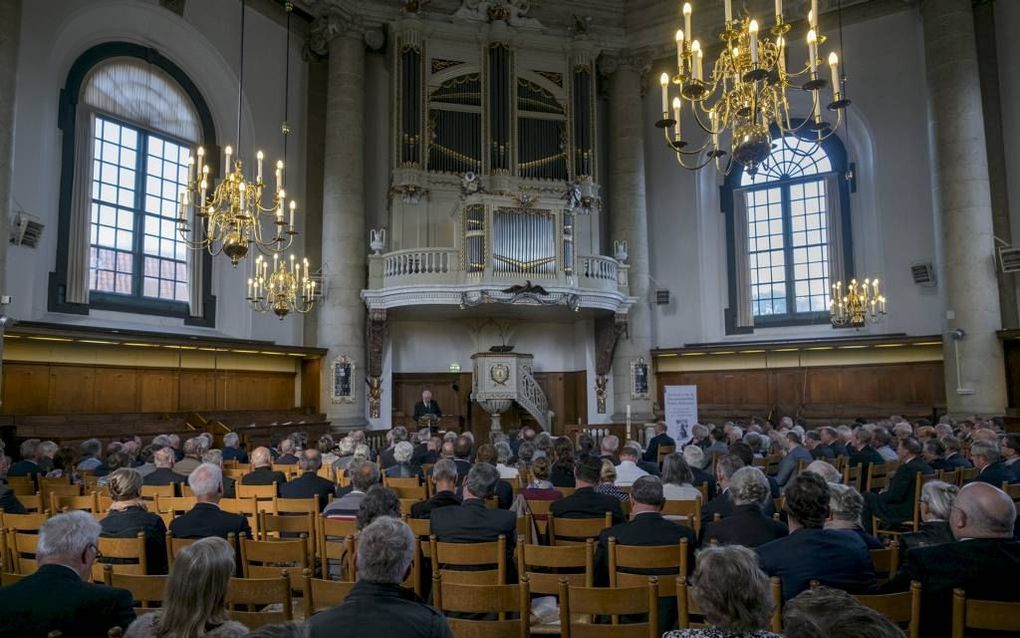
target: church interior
<point>704,277</point>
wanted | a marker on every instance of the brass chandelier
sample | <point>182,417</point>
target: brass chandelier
<point>745,93</point>
<point>857,305</point>
<point>284,289</point>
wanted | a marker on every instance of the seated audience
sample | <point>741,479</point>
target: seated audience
<point>378,501</point>
<point>525,455</point>
<point>59,595</point>
<point>504,491</point>
<point>719,445</point>
<point>206,518</point>
<point>327,450</point>
<point>608,447</point>
<point>195,598</point>
<point>732,593</point>
<point>462,449</point>
<point>194,448</point>
<point>695,458</point>
<point>795,453</point>
<point>345,454</point>
<point>174,441</point>
<point>882,445</point>
<point>954,455</point>
<point>562,472</point>
<point>90,451</point>
<point>983,561</point>
<point>288,451</point>
<point>628,471</point>
<point>232,448</point>
<point>364,474</point>
<point>504,456</point>
<point>747,524</point>
<point>819,450</point>
<point>678,479</point>
<point>309,484</point>
<point>825,612</point>
<point>864,455</point>
<point>661,438</point>
<point>896,504</point>
<point>607,482</point>
<point>988,461</point>
<point>722,504</point>
<point>936,502</point>
<point>651,467</point>
<point>163,459</point>
<point>444,474</point>
<point>216,458</point>
<point>378,605</point>
<point>830,439</point>
<point>585,502</point>
<point>8,500</point>
<point>401,465</point>
<point>36,458</point>
<point>845,507</point>
<point>811,552</point>
<point>262,472</point>
<point>540,488</point>
<point>933,451</point>
<point>825,470</point>
<point>128,515</point>
<point>1010,449</point>
<point>395,436</point>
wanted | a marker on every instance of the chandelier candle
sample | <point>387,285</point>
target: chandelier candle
<point>687,20</point>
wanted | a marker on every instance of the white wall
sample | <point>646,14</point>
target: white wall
<point>204,43</point>
<point>892,216</point>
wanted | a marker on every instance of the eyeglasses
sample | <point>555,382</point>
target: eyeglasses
<point>95,548</point>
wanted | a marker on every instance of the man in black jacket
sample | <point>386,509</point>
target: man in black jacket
<point>722,504</point>
<point>660,438</point>
<point>232,448</point>
<point>309,484</point>
<point>8,501</point>
<point>585,502</point>
<point>747,524</point>
<point>427,407</point>
<point>378,605</point>
<point>830,438</point>
<point>29,463</point>
<point>865,456</point>
<point>164,474</point>
<point>262,470</point>
<point>983,561</point>
<point>444,473</point>
<point>59,596</point>
<point>396,435</point>
<point>819,450</point>
<point>695,458</point>
<point>896,504</point>
<point>934,454</point>
<point>987,459</point>
<point>206,518</point>
<point>954,457</point>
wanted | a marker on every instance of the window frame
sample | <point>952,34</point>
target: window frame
<point>731,187</point>
<point>68,110</point>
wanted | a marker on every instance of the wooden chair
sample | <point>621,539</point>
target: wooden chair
<point>416,492</point>
<point>335,542</point>
<point>176,505</point>
<point>22,546</point>
<point>687,608</point>
<point>406,504</point>
<point>664,451</point>
<point>248,507</point>
<point>310,505</point>
<point>968,474</point>
<point>146,591</point>
<point>323,594</point>
<point>1012,490</point>
<point>544,567</point>
<point>592,601</point>
<point>878,476</point>
<point>984,615</point>
<point>150,492</point>
<point>259,593</point>
<point>852,476</point>
<point>886,562</point>
<point>34,503</point>
<point>59,490</point>
<point>22,522</point>
<point>484,599</point>
<point>469,563</point>
<point>264,495</point>
<point>8,578</point>
<point>914,523</point>
<point>88,503</point>
<point>903,608</point>
<point>422,529</point>
<point>21,484</point>
<point>539,509</point>
<point>686,513</point>
<point>288,527</point>
<point>290,471</point>
<point>265,559</point>
<point>950,476</point>
<point>394,483</point>
<point>572,531</point>
<point>175,545</point>
<point>626,562</point>
<point>129,554</point>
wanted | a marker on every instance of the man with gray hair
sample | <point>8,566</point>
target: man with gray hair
<point>473,521</point>
<point>163,459</point>
<point>262,472</point>
<point>402,466</point>
<point>609,445</point>
<point>397,435</point>
<point>825,470</point>
<point>795,453</point>
<point>364,474</point>
<point>90,452</point>
<point>59,595</point>
<point>378,605</point>
<point>747,525</point>
<point>444,474</point>
<point>988,460</point>
<point>722,504</point>
<point>845,507</point>
<point>309,484</point>
<point>232,448</point>
<point>287,452</point>
<point>206,518</point>
<point>935,505</point>
<point>194,448</point>
<point>216,458</point>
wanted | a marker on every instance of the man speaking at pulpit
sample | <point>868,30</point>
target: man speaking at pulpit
<point>427,407</point>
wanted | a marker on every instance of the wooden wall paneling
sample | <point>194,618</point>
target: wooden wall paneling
<point>71,390</point>
<point>26,388</point>
<point>116,390</point>
<point>158,390</point>
<point>311,371</point>
<point>197,390</point>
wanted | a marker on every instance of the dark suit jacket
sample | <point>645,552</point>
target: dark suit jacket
<point>206,519</point>
<point>473,522</point>
<point>996,474</point>
<point>24,467</point>
<point>585,502</point>
<point>650,467</point>
<point>940,464</point>
<point>896,504</point>
<point>163,476</point>
<point>839,449</point>
<point>378,609</point>
<point>234,454</point>
<point>287,459</point>
<point>55,598</point>
<point>865,457</point>
<point>985,568</point>
<point>701,476</point>
<point>264,476</point>
<point>835,558</point>
<point>723,506</point>
<point>127,523</point>
<point>957,460</point>
<point>420,409</point>
<point>932,533</point>
<point>652,453</point>
<point>823,452</point>
<point>308,485</point>
<point>9,501</point>
<point>463,467</point>
<point>441,499</point>
<point>747,525</point>
<point>403,470</point>
<point>562,475</point>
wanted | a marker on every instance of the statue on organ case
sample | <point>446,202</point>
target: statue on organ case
<point>427,407</point>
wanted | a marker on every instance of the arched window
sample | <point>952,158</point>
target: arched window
<point>130,118</point>
<point>789,235</point>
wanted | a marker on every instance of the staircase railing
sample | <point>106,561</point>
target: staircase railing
<point>531,397</point>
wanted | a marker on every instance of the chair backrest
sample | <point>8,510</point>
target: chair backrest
<point>395,482</point>
<point>21,484</point>
<point>150,492</point>
<point>484,599</point>
<point>124,555</point>
<point>323,594</point>
<point>470,563</point>
<point>258,593</point>
<point>22,522</point>
<point>289,470</point>
<point>266,559</point>
<point>417,492</point>
<point>9,578</point>
<point>308,505</point>
<point>684,512</point>
<point>406,504</point>
<point>626,562</point>
<point>22,546</point>
<point>59,489</point>
<point>566,531</point>
<point>950,476</point>
<point>175,504</point>
<point>1012,490</point>
<point>248,507</point>
<point>615,602</point>
<point>279,526</point>
<point>968,473</point>
<point>663,452</point>
<point>903,608</point>
<point>175,545</point>
<point>87,503</point>
<point>335,542</point>
<point>886,561</point>
<point>545,566</point>
<point>263,494</point>
<point>879,475</point>
<point>146,591</point>
<point>984,615</point>
<point>686,606</point>
<point>539,509</point>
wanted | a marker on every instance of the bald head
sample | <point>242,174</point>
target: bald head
<point>260,457</point>
<point>981,510</point>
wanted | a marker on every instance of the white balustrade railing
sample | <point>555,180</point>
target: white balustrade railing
<point>598,267</point>
<point>532,398</point>
<point>420,261</point>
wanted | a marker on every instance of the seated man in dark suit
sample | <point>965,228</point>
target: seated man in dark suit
<point>462,455</point>
<point>865,455</point>
<point>933,452</point>
<point>585,502</point>
<point>747,524</point>
<point>229,484</point>
<point>232,448</point>
<point>833,557</point>
<point>59,596</point>
<point>444,473</point>
<point>402,461</point>
<point>8,501</point>
<point>1010,448</point>
<point>984,560</point>
<point>288,454</point>
<point>647,527</point>
<point>661,438</point>
<point>28,465</point>
<point>988,460</point>
<point>472,521</point>
<point>896,504</point>
<point>206,518</point>
<point>262,472</point>
<point>954,456</point>
<point>790,463</point>
<point>309,484</point>
<point>819,450</point>
<point>722,504</point>
<point>164,474</point>
<point>830,438</point>
<point>396,435</point>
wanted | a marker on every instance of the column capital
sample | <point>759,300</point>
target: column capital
<point>633,61</point>
<point>340,24</point>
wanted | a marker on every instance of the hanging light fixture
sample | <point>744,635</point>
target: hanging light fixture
<point>745,93</point>
<point>229,220</point>
<point>857,305</point>
<point>290,285</point>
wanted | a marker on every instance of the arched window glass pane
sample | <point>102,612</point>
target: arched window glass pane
<point>792,157</point>
<point>143,94</point>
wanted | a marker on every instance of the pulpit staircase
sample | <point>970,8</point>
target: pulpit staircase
<point>502,379</point>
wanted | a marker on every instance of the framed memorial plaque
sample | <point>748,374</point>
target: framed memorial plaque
<point>639,379</point>
<point>342,386</point>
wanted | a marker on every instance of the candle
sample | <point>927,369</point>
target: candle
<point>818,106</point>
<point>696,52</point>
<point>813,16</point>
<point>834,67</point>
<point>227,152</point>
<point>676,116</point>
<point>191,169</point>
<point>687,20</point>
<point>812,41</point>
<point>753,28</point>
<point>664,82</point>
<point>781,46</point>
<point>279,168</point>
<point>729,12</point>
<point>201,159</point>
<point>279,206</point>
<point>293,207</point>
<point>779,11</point>
<point>679,52</point>
<point>205,184</point>
<point>251,287</point>
<point>259,156</point>
<point>628,412</point>
<point>713,118</point>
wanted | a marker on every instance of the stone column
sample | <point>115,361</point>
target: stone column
<point>342,312</point>
<point>628,221</point>
<point>10,27</point>
<point>963,201</point>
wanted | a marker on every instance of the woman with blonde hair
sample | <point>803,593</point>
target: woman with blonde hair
<point>195,598</point>
<point>607,482</point>
<point>129,515</point>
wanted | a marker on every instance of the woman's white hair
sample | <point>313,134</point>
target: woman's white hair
<point>67,535</point>
<point>402,452</point>
<point>385,551</point>
<point>939,496</point>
